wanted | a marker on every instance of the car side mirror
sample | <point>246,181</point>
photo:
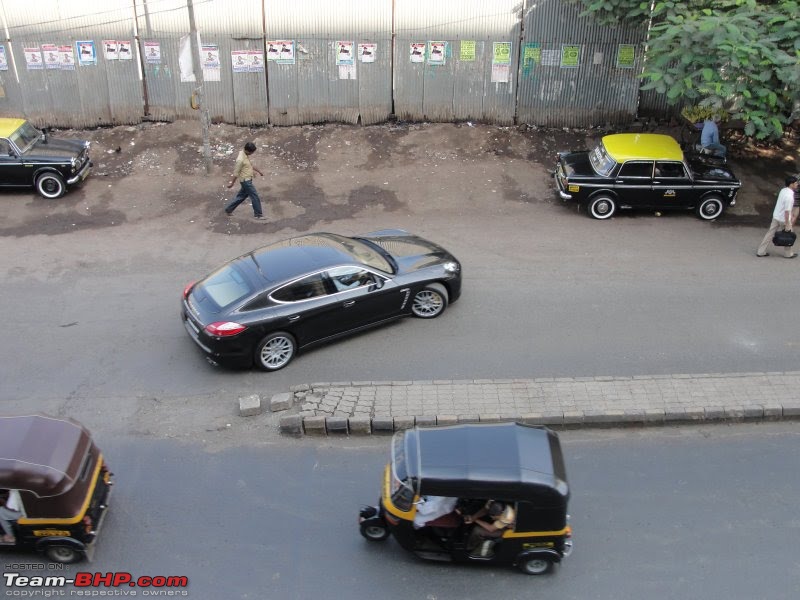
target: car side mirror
<point>377,284</point>
<point>44,135</point>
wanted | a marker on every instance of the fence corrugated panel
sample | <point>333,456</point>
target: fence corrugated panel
<point>462,87</point>
<point>315,88</point>
<point>595,91</point>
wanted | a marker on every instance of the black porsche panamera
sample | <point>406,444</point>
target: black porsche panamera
<point>264,306</point>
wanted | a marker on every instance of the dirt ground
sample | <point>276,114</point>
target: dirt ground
<point>317,174</point>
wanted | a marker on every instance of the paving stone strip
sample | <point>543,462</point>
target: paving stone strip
<point>364,407</point>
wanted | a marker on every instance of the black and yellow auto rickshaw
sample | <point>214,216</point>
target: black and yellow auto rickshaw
<point>55,483</point>
<point>462,470</point>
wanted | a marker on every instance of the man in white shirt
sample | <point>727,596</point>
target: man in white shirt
<point>782,217</point>
<point>9,513</point>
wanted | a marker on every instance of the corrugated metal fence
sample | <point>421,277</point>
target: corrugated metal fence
<point>71,64</point>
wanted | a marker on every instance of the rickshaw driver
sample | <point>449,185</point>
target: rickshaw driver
<point>9,512</point>
<point>484,533</point>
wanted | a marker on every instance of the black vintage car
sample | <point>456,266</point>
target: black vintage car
<point>644,171</point>
<point>33,158</point>
<point>438,476</point>
<point>261,308</point>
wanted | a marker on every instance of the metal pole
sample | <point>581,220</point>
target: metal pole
<point>198,77</point>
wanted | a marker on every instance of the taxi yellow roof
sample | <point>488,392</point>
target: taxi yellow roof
<point>9,126</point>
<point>644,146</point>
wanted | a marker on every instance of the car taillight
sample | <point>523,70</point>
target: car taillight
<point>87,523</point>
<point>188,289</point>
<point>225,328</point>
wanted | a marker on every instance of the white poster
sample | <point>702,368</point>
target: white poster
<point>344,53</point>
<point>367,52</point>
<point>33,58</point>
<point>437,54</point>
<point>86,53</point>
<point>185,62</point>
<point>67,58</point>
<point>124,50</point>
<point>152,53</point>
<point>3,59</point>
<point>281,51</point>
<point>347,71</point>
<point>417,50</point>
<point>256,61</point>
<point>110,48</point>
<point>240,61</point>
<point>51,58</point>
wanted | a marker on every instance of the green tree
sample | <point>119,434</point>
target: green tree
<point>742,55</point>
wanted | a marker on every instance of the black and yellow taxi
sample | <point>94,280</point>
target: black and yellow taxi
<point>55,486</point>
<point>438,479</point>
<point>644,171</point>
<point>30,157</point>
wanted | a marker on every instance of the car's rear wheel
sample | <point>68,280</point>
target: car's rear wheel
<point>602,207</point>
<point>50,185</point>
<point>275,351</point>
<point>536,566</point>
<point>63,554</point>
<point>710,208</point>
<point>430,301</point>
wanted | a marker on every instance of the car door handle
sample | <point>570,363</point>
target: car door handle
<point>348,303</point>
<point>294,317</point>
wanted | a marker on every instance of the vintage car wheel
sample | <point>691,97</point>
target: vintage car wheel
<point>602,207</point>
<point>710,208</point>
<point>536,565</point>
<point>275,351</point>
<point>374,530</point>
<point>50,185</point>
<point>63,554</point>
<point>430,301</point>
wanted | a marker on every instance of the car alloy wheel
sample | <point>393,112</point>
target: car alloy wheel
<point>275,351</point>
<point>710,208</point>
<point>430,301</point>
<point>602,207</point>
<point>50,185</point>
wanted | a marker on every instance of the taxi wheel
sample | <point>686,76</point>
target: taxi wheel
<point>602,207</point>
<point>430,301</point>
<point>710,208</point>
<point>50,185</point>
<point>374,531</point>
<point>275,351</point>
<point>536,565</point>
<point>63,554</point>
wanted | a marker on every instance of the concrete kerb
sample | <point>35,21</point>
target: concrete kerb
<point>676,405</point>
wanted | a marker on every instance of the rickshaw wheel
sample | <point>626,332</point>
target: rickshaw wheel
<point>536,566</point>
<point>63,554</point>
<point>374,532</point>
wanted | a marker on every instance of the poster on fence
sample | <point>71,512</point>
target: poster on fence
<point>124,50</point>
<point>467,50</point>
<point>209,54</point>
<point>501,62</point>
<point>152,53</point>
<point>281,52</point>
<point>33,58</point>
<point>86,54</point>
<point>570,56</point>
<point>67,58</point>
<point>347,71</point>
<point>256,59</point>
<point>417,50</point>
<point>240,61</point>
<point>50,54</point>
<point>344,53</point>
<point>367,52</point>
<point>437,50</point>
<point>3,58</point>
<point>626,56</point>
<point>110,49</point>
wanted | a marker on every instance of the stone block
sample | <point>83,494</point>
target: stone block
<point>714,413</point>
<point>490,418</point>
<point>401,423</point>
<point>250,405</point>
<point>753,412</point>
<point>360,425</point>
<point>281,401</point>
<point>654,415</point>
<point>291,424</point>
<point>469,419</point>
<point>382,425</point>
<point>314,425</point>
<point>446,420</point>
<point>426,421</point>
<point>573,417</point>
<point>773,412</point>
<point>303,387</point>
<point>336,425</point>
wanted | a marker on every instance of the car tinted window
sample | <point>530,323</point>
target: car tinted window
<point>25,135</point>
<point>667,169</point>
<point>226,286</point>
<point>601,161</point>
<point>349,278</point>
<point>636,169</point>
<point>261,301</point>
<point>312,286</point>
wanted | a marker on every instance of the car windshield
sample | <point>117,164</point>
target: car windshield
<point>226,286</point>
<point>601,161</point>
<point>368,254</point>
<point>25,136</point>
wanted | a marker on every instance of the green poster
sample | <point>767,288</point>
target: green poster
<point>502,53</point>
<point>468,50</point>
<point>570,56</point>
<point>626,56</point>
<point>531,55</point>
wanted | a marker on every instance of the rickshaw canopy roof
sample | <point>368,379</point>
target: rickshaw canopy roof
<point>41,454</point>
<point>509,461</point>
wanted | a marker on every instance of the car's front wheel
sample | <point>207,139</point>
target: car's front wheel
<point>50,185</point>
<point>63,554</point>
<point>710,208</point>
<point>275,351</point>
<point>602,207</point>
<point>430,301</point>
<point>536,566</point>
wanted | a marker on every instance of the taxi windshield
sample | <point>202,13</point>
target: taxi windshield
<point>602,163</point>
<point>401,489</point>
<point>25,136</point>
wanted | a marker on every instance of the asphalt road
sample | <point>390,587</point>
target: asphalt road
<point>695,512</point>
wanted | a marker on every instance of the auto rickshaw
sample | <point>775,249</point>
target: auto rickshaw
<point>58,483</point>
<point>460,469</point>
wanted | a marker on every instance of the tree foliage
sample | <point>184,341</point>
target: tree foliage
<point>742,55</point>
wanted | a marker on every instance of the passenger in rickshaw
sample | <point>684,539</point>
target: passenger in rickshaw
<point>484,532</point>
<point>9,513</point>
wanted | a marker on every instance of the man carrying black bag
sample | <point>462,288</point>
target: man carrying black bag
<point>782,218</point>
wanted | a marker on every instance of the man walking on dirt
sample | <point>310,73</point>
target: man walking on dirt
<point>245,171</point>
